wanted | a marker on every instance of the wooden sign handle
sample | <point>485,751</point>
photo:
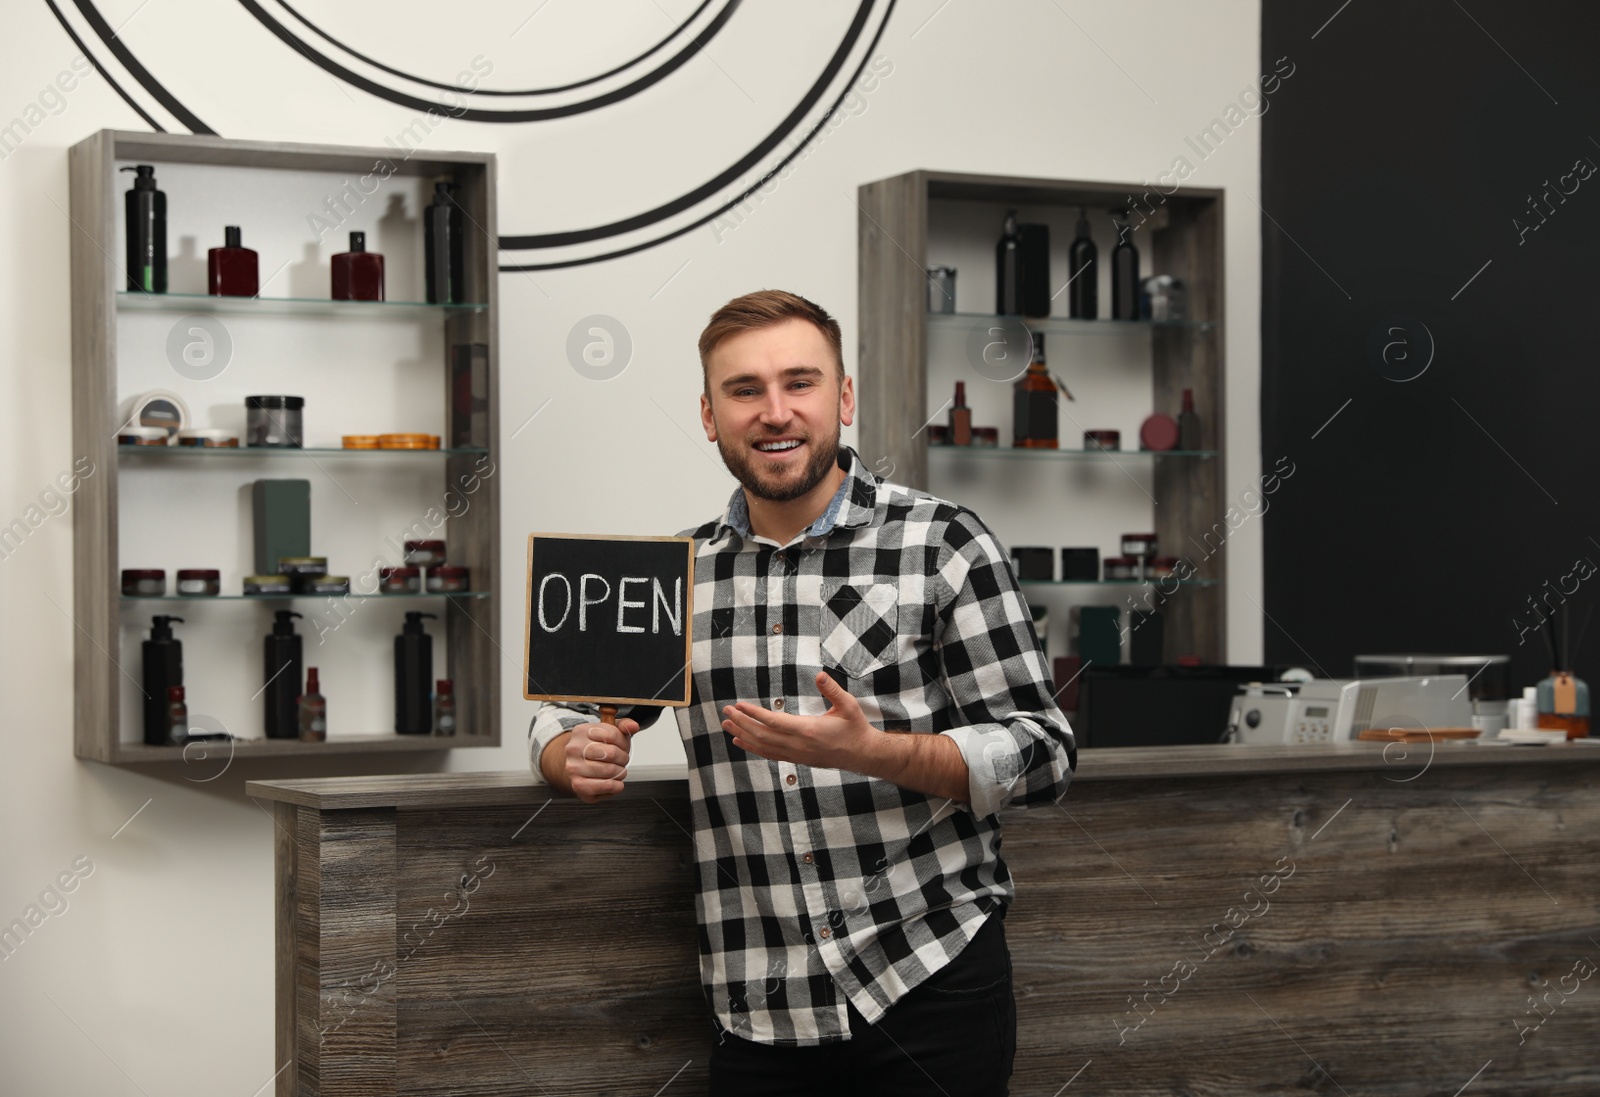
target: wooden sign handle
<point>608,715</point>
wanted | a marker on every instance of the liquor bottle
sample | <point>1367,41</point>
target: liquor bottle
<point>960,418</point>
<point>1034,404</point>
<point>1188,424</point>
<point>1008,269</point>
<point>1124,271</point>
<point>1083,292</point>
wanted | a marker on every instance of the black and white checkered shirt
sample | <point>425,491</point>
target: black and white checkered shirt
<point>817,885</point>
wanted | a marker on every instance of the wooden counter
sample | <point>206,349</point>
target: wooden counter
<point>469,934</point>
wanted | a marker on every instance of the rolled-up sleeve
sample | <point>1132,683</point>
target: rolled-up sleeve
<point>1017,745</point>
<point>555,717</point>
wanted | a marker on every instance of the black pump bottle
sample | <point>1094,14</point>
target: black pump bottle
<point>146,215</point>
<point>1124,271</point>
<point>163,667</point>
<point>413,677</point>
<point>1083,293</point>
<point>281,671</point>
<point>443,266</point>
<point>1008,269</point>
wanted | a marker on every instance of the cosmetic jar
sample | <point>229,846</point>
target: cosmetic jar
<point>302,565</point>
<point>986,437</point>
<point>1121,567</point>
<point>208,439</point>
<point>408,441</point>
<point>399,581</point>
<point>938,435</point>
<point>942,290</point>
<point>1162,567</point>
<point>142,436</point>
<point>424,554</point>
<point>157,408</point>
<point>360,441</point>
<point>325,584</point>
<point>1102,439</point>
<point>448,580</point>
<point>1139,544</point>
<point>268,584</point>
<point>1034,564</point>
<point>144,583</point>
<point>200,582</point>
<point>275,421</point>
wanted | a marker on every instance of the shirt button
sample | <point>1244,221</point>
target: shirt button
<point>807,858</point>
<point>825,932</point>
<point>778,704</point>
<point>777,628</point>
<point>789,779</point>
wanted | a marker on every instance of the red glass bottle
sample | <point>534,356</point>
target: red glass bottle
<point>232,270</point>
<point>358,273</point>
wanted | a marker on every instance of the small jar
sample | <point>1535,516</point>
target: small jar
<point>268,584</point>
<point>275,421</point>
<point>942,290</point>
<point>424,554</point>
<point>199,582</point>
<point>986,437</point>
<point>1102,439</point>
<point>208,439</point>
<point>360,441</point>
<point>399,581</point>
<point>448,580</point>
<point>142,436</point>
<point>408,441</point>
<point>324,584</point>
<point>1121,568</point>
<point>144,583</point>
<point>938,435</point>
<point>302,565</point>
<point>1162,567</point>
<point>1141,545</point>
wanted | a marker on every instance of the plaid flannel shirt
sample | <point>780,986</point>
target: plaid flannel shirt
<point>817,885</point>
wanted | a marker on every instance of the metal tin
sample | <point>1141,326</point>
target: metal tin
<point>268,584</point>
<point>448,580</point>
<point>199,582</point>
<point>424,553</point>
<point>359,441</point>
<point>1121,568</point>
<point>144,582</point>
<point>302,565</point>
<point>1139,544</point>
<point>142,436</point>
<point>1102,439</point>
<point>325,584</point>
<point>208,439</point>
<point>399,581</point>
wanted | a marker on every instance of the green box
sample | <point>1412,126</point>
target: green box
<point>282,515</point>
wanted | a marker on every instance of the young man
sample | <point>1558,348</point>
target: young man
<point>868,694</point>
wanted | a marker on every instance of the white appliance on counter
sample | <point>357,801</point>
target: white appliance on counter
<point>1332,710</point>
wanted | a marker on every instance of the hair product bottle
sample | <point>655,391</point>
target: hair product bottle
<point>960,418</point>
<point>1189,438</point>
<point>311,708</point>
<point>281,673</point>
<point>443,264</point>
<point>1124,271</point>
<point>1008,269</point>
<point>358,273</point>
<point>1083,290</point>
<point>413,674</point>
<point>145,208</point>
<point>444,708</point>
<point>233,269</point>
<point>163,669</point>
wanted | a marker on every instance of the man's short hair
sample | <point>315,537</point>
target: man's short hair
<point>763,309</point>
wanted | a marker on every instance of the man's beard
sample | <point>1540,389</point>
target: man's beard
<point>824,456</point>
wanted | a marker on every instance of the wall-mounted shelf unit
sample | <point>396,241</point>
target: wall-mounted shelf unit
<point>362,367</point>
<point>923,218</point>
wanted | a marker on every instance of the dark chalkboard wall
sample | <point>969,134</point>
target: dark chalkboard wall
<point>1398,160</point>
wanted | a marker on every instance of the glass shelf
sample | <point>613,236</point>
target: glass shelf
<point>1012,453</point>
<point>295,306</point>
<point>184,453</point>
<point>1116,582</point>
<point>1063,325</point>
<point>193,598</point>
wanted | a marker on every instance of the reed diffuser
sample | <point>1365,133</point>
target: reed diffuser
<point>1564,697</point>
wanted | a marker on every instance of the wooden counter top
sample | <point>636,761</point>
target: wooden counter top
<point>1400,761</point>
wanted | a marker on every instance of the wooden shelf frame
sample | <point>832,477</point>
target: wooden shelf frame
<point>470,625</point>
<point>893,231</point>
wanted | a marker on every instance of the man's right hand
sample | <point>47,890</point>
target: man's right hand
<point>593,759</point>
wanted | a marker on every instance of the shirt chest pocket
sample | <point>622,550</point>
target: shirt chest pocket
<point>859,625</point>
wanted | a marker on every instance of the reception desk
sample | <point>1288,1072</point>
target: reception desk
<point>1209,921</point>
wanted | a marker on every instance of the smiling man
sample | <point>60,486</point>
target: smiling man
<point>868,694</point>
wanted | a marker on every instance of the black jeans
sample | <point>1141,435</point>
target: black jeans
<point>953,1035</point>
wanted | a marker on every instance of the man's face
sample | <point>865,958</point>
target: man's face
<point>775,408</point>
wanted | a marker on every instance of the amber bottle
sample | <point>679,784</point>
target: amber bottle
<point>1034,404</point>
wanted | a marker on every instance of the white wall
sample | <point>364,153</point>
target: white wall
<point>158,975</point>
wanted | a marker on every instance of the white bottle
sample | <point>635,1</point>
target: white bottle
<point>1528,712</point>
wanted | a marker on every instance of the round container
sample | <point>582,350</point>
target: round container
<point>360,441</point>
<point>158,408</point>
<point>408,441</point>
<point>399,581</point>
<point>275,421</point>
<point>208,439</point>
<point>942,290</point>
<point>142,436</point>
<point>1159,432</point>
<point>448,580</point>
<point>1139,544</point>
<point>144,582</point>
<point>268,584</point>
<point>1162,567</point>
<point>199,582</point>
<point>325,584</point>
<point>424,554</point>
<point>938,435</point>
<point>1102,439</point>
<point>986,437</point>
<point>1121,567</point>
<point>302,565</point>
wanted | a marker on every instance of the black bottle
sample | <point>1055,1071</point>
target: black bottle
<point>1083,293</point>
<point>413,678</point>
<point>163,667</point>
<point>146,215</point>
<point>1124,271</point>
<point>441,245</point>
<point>281,672</point>
<point>1008,269</point>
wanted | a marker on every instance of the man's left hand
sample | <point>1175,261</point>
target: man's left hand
<point>841,738</point>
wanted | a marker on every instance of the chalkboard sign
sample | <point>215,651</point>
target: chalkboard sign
<point>609,619</point>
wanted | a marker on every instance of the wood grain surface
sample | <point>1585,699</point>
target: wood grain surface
<point>1374,931</point>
